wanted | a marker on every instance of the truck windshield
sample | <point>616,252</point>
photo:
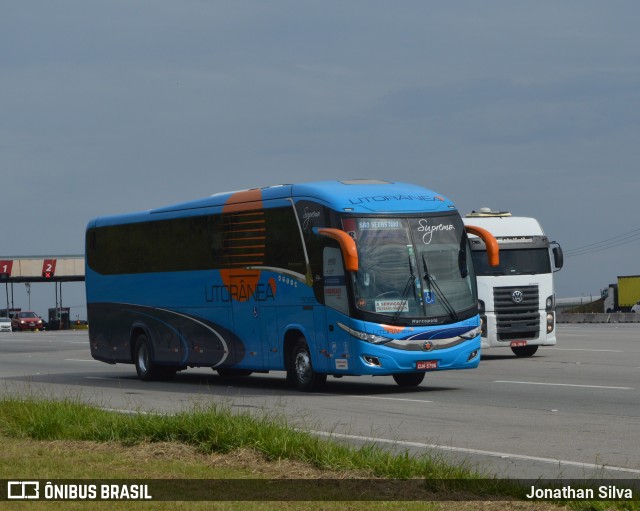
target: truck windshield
<point>530,261</point>
<point>414,269</point>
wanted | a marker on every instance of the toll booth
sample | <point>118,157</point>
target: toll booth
<point>52,269</point>
<point>59,318</point>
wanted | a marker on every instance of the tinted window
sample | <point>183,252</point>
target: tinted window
<point>513,262</point>
<point>234,240</point>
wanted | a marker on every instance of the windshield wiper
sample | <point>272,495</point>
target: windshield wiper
<point>431,281</point>
<point>404,298</point>
<point>405,294</point>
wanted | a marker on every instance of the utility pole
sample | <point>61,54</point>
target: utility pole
<point>28,286</point>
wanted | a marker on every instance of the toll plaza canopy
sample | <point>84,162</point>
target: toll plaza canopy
<point>69,268</point>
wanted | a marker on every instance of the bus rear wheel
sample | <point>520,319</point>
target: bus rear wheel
<point>146,367</point>
<point>300,370</point>
<point>524,351</point>
<point>408,379</point>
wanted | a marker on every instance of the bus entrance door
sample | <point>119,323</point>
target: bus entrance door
<point>336,300</point>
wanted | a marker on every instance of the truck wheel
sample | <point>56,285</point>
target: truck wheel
<point>300,371</point>
<point>524,351</point>
<point>146,368</point>
<point>408,379</point>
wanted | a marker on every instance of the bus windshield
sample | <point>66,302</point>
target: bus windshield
<point>413,269</point>
<point>530,261</point>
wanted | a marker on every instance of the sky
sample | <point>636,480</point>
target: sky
<point>110,107</point>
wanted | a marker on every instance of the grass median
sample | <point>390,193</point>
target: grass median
<point>70,440</point>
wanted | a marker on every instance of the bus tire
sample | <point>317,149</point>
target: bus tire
<point>300,370</point>
<point>524,351</point>
<point>408,379</point>
<point>145,366</point>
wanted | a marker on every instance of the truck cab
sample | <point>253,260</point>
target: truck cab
<point>516,298</point>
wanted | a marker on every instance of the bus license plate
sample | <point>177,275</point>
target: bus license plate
<point>518,344</point>
<point>425,365</point>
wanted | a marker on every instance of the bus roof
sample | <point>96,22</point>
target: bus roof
<point>364,196</point>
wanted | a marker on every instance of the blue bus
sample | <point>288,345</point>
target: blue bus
<point>361,277</point>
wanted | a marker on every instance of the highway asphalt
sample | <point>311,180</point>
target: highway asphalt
<point>570,411</point>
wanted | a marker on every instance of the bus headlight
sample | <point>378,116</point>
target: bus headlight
<point>471,334</point>
<point>371,338</point>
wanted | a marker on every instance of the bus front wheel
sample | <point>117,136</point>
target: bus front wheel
<point>145,366</point>
<point>300,370</point>
<point>524,351</point>
<point>408,379</point>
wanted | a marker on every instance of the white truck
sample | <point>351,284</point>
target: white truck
<point>516,298</point>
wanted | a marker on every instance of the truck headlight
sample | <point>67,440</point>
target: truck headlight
<point>551,303</point>
<point>550,322</point>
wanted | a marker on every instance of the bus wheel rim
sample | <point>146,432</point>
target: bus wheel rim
<point>303,366</point>
<point>142,358</point>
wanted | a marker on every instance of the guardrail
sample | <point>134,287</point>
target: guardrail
<point>613,317</point>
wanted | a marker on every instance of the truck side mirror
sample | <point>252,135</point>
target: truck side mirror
<point>558,257</point>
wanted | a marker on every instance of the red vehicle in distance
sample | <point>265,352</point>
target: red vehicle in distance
<point>26,321</point>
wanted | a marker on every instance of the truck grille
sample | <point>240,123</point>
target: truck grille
<point>517,318</point>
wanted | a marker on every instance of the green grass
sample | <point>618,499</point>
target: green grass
<point>212,429</point>
<point>74,435</point>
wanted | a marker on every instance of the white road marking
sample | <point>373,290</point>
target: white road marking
<point>564,385</point>
<point>586,349</point>
<point>494,454</point>
<point>393,399</point>
<point>130,412</point>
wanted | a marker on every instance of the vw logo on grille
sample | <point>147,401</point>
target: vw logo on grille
<point>517,296</point>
